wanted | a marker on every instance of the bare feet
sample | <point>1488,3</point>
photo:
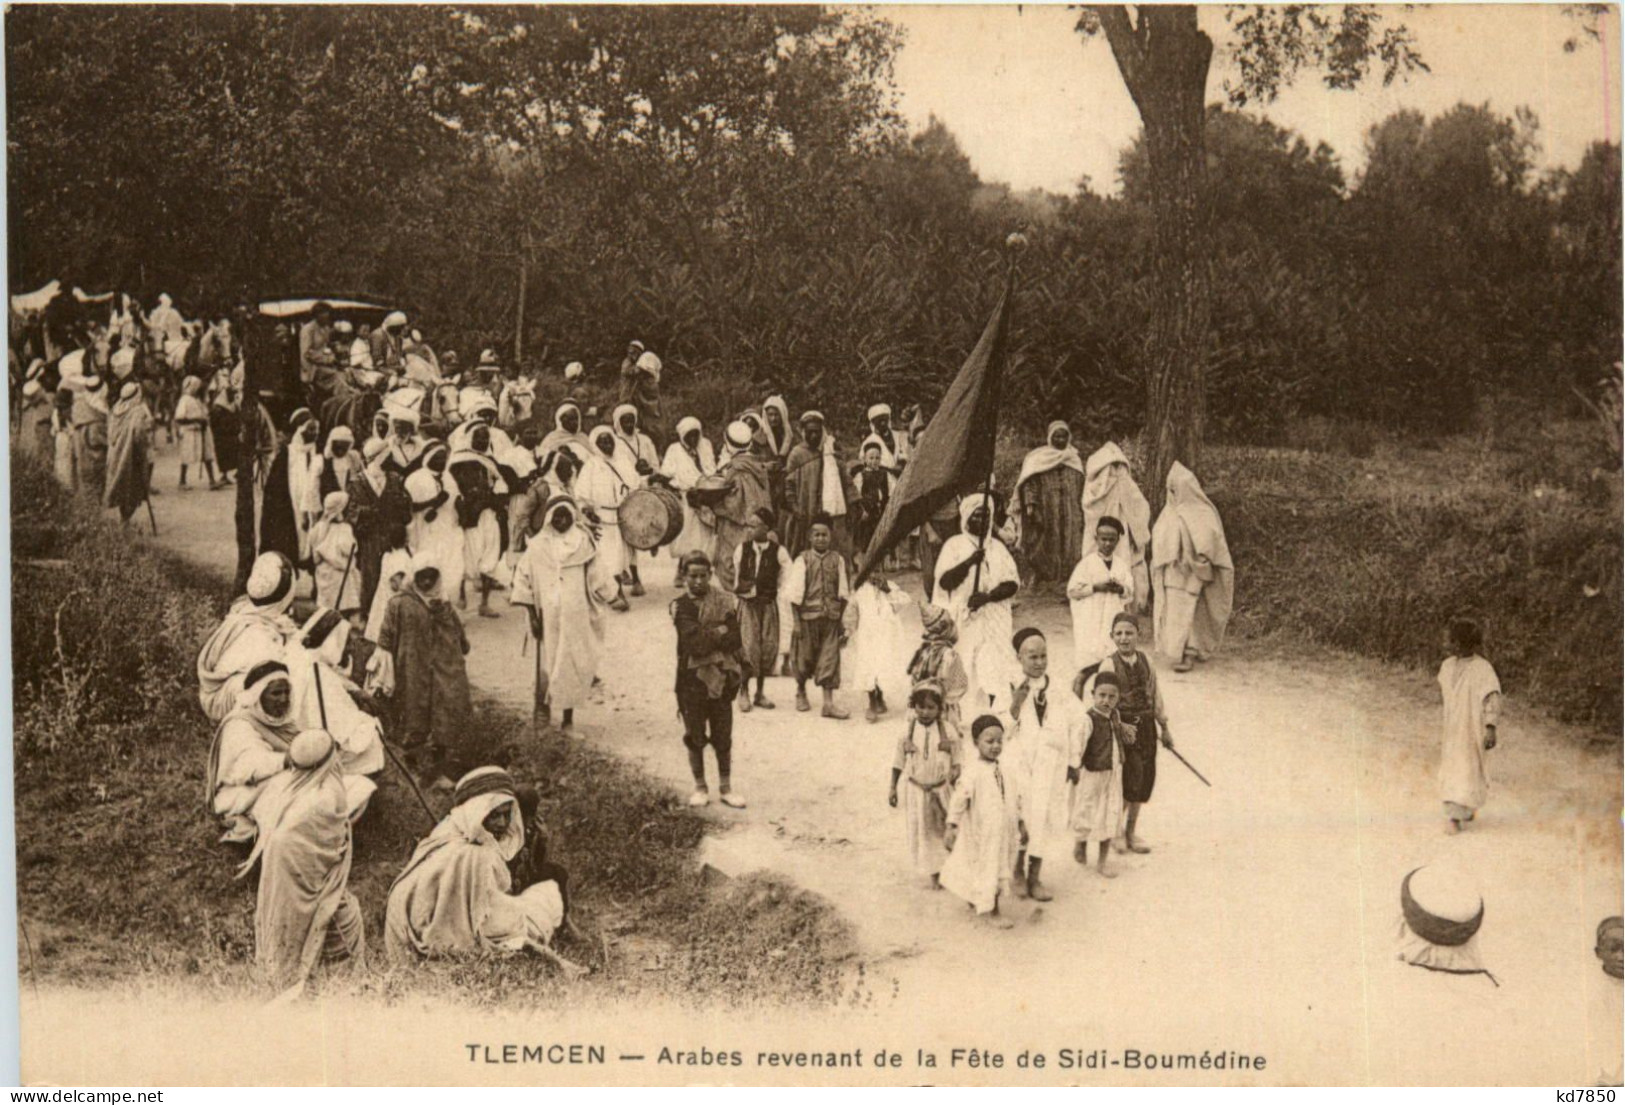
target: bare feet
<point>835,713</point>
<point>1106,872</point>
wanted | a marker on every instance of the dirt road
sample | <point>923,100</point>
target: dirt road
<point>1263,921</point>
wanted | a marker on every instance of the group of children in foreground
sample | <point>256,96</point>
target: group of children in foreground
<point>978,820</point>
<point>1044,770</point>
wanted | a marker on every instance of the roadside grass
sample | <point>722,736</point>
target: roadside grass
<point>121,878</point>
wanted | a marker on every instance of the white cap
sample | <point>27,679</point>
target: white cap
<point>310,748</point>
<point>573,370</point>
<point>394,319</point>
<point>270,579</point>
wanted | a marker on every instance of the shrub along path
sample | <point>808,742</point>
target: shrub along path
<point>1263,921</point>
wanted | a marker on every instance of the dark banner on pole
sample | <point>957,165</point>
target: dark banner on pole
<point>955,452</point>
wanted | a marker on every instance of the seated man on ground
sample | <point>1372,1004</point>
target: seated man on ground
<point>455,895</point>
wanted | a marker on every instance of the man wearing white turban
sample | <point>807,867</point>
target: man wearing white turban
<point>386,344</point>
<point>976,581</point>
<point>687,461</point>
<point>1048,502</point>
<point>255,629</point>
<point>1440,913</point>
<point>748,491</point>
<point>165,321</point>
<point>560,584</point>
<point>816,483</point>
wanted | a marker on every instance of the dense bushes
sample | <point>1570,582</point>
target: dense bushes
<point>740,193</point>
<point>119,870</point>
<point>1372,556</point>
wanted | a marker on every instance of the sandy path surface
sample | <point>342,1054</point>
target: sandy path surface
<point>1262,923</point>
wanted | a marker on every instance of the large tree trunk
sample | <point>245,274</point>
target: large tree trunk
<point>1164,59</point>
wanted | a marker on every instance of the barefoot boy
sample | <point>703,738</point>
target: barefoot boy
<point>984,824</point>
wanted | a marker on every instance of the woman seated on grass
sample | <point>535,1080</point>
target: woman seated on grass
<point>454,897</point>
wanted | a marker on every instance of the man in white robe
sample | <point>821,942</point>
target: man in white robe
<point>255,629</point>
<point>636,459</point>
<point>316,657</point>
<point>689,459</point>
<point>305,464</point>
<point>1191,572</point>
<point>976,581</point>
<point>560,584</point>
<point>454,895</point>
<point>602,487</point>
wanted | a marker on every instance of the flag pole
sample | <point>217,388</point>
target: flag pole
<point>1013,244</point>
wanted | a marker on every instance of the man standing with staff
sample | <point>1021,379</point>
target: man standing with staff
<point>560,584</point>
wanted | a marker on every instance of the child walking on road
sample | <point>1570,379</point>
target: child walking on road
<point>927,763</point>
<point>984,825</point>
<point>1472,706</point>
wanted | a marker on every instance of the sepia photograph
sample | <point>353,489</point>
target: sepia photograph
<point>816,545</point>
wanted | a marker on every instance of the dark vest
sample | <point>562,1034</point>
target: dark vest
<point>1097,754</point>
<point>765,574</point>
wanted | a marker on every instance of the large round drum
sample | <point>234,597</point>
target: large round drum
<point>651,517</point>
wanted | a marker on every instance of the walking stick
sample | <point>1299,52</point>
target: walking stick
<point>1187,763</point>
<point>538,713</point>
<point>410,781</point>
<point>343,579</point>
<point>147,495</point>
<point>321,704</point>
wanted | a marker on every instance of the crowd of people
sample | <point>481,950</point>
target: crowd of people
<point>455,487</point>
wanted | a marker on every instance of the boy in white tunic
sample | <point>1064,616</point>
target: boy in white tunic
<point>927,762</point>
<point>877,640</point>
<point>1043,745</point>
<point>1101,587</point>
<point>1472,705</point>
<point>984,824</point>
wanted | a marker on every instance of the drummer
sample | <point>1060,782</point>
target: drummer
<point>636,460</point>
<point>689,460</point>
